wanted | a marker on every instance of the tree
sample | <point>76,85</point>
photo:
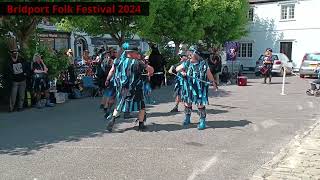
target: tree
<point>176,21</point>
<point>229,22</point>
<point>213,21</point>
<point>119,28</point>
<point>22,27</point>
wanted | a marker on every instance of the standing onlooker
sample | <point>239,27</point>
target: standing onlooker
<point>72,75</point>
<point>156,61</point>
<point>267,65</point>
<point>215,67</point>
<point>18,72</point>
<point>41,83</point>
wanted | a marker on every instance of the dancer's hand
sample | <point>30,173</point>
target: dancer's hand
<point>172,70</point>
<point>215,86</point>
<point>106,83</point>
<point>184,73</point>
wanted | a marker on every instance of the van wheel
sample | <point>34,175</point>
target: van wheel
<point>301,76</point>
<point>241,69</point>
<point>225,69</point>
<point>281,72</point>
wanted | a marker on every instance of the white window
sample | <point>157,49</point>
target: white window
<point>287,11</point>
<point>245,50</point>
<point>250,14</point>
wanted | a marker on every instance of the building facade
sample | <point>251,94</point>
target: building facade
<point>287,26</point>
<point>79,42</point>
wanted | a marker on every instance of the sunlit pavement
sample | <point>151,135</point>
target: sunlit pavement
<point>247,127</point>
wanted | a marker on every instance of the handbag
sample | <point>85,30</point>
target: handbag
<point>264,70</point>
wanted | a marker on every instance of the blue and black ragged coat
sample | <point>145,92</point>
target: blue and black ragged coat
<point>194,91</point>
<point>128,81</point>
<point>178,82</point>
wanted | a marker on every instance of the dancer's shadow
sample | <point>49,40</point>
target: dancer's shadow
<point>154,127</point>
<point>223,106</point>
<point>219,93</point>
<point>166,114</point>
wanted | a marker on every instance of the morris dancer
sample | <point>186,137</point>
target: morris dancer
<point>146,85</point>
<point>127,72</point>
<point>109,91</point>
<point>179,83</point>
<point>194,90</point>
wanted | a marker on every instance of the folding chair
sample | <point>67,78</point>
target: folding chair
<point>88,83</point>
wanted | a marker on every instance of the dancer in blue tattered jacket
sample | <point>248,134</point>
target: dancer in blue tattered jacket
<point>179,82</point>
<point>195,86</point>
<point>128,81</point>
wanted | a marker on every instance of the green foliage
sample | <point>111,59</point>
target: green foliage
<point>22,27</point>
<point>4,63</point>
<point>229,21</point>
<point>56,62</point>
<point>119,27</point>
<point>214,21</point>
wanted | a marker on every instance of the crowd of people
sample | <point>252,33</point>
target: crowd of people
<point>127,78</point>
<point>133,76</point>
<point>28,76</point>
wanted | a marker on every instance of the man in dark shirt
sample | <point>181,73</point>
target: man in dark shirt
<point>18,73</point>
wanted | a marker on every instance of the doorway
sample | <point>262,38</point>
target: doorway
<point>286,48</point>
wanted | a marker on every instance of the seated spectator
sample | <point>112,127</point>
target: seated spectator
<point>40,81</point>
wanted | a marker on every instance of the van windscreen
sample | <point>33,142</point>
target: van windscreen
<point>313,57</point>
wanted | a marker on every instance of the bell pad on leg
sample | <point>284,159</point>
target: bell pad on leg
<point>202,112</point>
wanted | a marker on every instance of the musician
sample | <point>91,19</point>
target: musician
<point>158,63</point>
<point>127,71</point>
<point>267,65</point>
<point>194,89</point>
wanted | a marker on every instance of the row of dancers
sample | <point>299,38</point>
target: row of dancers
<point>128,87</point>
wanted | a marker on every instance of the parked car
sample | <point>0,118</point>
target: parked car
<point>226,65</point>
<point>280,61</point>
<point>309,64</point>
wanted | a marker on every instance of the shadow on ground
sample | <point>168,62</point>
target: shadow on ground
<point>25,133</point>
<point>154,127</point>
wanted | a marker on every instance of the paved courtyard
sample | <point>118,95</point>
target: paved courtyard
<point>247,127</point>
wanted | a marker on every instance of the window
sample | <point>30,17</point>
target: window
<point>48,42</point>
<point>250,14</point>
<point>245,50</point>
<point>287,12</point>
<point>61,43</point>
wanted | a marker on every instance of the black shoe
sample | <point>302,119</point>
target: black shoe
<point>145,117</point>
<point>20,109</point>
<point>175,109</point>
<point>141,126</point>
<point>101,106</point>
<point>110,124</point>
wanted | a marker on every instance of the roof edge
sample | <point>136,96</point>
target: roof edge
<point>264,1</point>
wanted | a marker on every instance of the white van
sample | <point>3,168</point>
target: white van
<point>229,66</point>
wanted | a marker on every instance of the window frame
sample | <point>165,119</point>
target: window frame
<point>246,49</point>
<point>251,14</point>
<point>289,10</point>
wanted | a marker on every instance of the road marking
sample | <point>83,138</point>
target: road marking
<point>311,104</point>
<point>269,123</point>
<point>207,164</point>
<point>255,127</point>
<point>299,107</point>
